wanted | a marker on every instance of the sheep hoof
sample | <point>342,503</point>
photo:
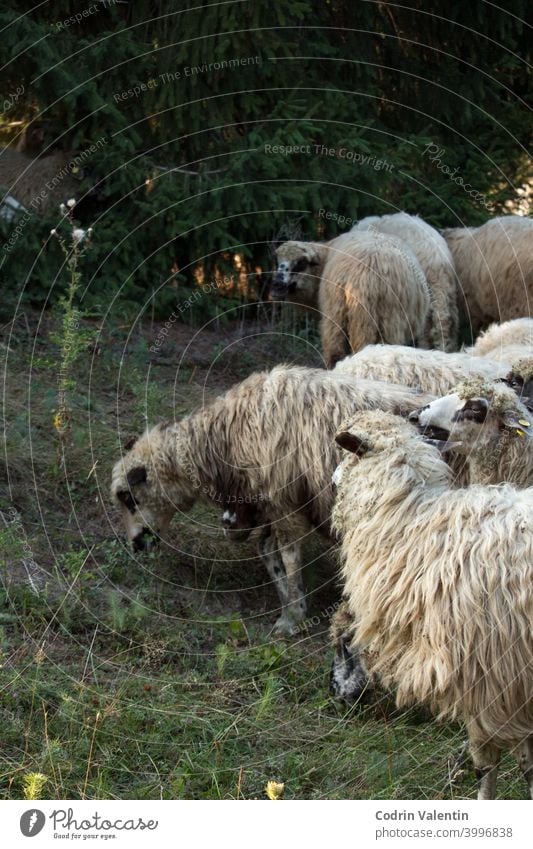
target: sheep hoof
<point>285,627</point>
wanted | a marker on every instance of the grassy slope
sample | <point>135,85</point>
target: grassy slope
<point>156,676</point>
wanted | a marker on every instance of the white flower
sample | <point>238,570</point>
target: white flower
<point>78,235</point>
<point>63,209</point>
<point>90,231</point>
<point>71,203</point>
<point>53,232</point>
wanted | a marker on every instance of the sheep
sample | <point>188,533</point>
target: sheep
<point>499,337</point>
<point>348,678</point>
<point>430,371</point>
<point>439,582</point>
<point>487,425</point>
<point>480,424</point>
<point>298,271</point>
<point>436,262</point>
<point>369,288</point>
<point>494,266</point>
<point>269,441</point>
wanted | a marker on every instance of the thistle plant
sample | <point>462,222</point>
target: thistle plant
<point>71,339</point>
<point>33,785</point>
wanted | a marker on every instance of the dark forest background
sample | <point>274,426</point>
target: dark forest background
<point>175,178</point>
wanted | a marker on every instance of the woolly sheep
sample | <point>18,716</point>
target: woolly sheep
<point>479,424</point>
<point>440,584</point>
<point>436,261</point>
<point>267,441</point>
<point>430,371</point>
<point>494,266</point>
<point>491,342</point>
<point>369,288</point>
<point>487,425</point>
<point>348,677</point>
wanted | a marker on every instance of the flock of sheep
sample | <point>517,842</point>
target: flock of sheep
<point>417,460</point>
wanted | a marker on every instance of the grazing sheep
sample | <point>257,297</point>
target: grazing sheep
<point>499,337</point>
<point>268,440</point>
<point>436,261</point>
<point>494,265</point>
<point>440,584</point>
<point>370,288</point>
<point>430,371</point>
<point>298,271</point>
<point>487,425</point>
<point>348,678</point>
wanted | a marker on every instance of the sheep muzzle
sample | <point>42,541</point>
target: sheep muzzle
<point>145,541</point>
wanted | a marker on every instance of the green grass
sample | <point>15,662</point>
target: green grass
<point>156,676</point>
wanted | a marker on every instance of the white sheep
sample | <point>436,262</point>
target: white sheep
<point>507,342</point>
<point>369,287</point>
<point>494,266</point>
<point>439,582</point>
<point>485,428</point>
<point>436,261</point>
<point>431,371</point>
<point>268,442</point>
<point>496,338</point>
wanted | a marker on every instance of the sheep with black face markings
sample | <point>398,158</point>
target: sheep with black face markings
<point>369,288</point>
<point>269,439</point>
<point>487,431</point>
<point>439,582</point>
<point>486,424</point>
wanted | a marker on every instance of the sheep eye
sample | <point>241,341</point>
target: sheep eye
<point>127,499</point>
<point>300,265</point>
<point>473,410</point>
<point>513,380</point>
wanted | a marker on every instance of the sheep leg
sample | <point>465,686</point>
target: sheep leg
<point>486,759</point>
<point>524,755</point>
<point>332,306</point>
<point>335,345</point>
<point>269,553</point>
<point>295,607</point>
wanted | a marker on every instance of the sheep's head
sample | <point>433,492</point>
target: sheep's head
<point>520,378</point>
<point>366,434</point>
<point>297,273</point>
<point>147,489</point>
<point>473,416</point>
<point>348,680</point>
<point>372,434</point>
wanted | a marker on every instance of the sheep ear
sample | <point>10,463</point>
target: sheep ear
<point>129,443</point>
<point>312,256</point>
<point>136,475</point>
<point>351,442</point>
<point>522,427</point>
